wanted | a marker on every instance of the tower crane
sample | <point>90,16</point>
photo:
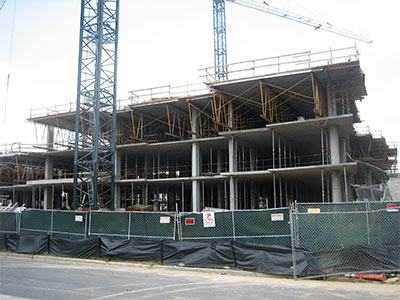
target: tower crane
<point>220,56</point>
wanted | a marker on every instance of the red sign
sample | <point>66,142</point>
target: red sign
<point>392,207</point>
<point>189,221</point>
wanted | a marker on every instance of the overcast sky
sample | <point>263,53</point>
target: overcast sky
<point>166,41</point>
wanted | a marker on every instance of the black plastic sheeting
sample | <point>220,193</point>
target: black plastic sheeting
<point>353,259</point>
<point>275,260</point>
<point>195,254</point>
<point>89,248</point>
<point>132,249</point>
<point>268,259</point>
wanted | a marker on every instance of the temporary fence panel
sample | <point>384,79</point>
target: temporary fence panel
<point>153,225</point>
<point>267,226</point>
<point>128,225</point>
<point>347,237</point>
<point>192,227</point>
<point>36,221</point>
<point>9,222</point>
<point>69,224</point>
<point>109,224</point>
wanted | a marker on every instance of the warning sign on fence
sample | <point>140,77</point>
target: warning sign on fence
<point>165,220</point>
<point>209,219</point>
<point>392,207</point>
<point>277,217</point>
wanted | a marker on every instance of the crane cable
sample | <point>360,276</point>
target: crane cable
<point>9,58</point>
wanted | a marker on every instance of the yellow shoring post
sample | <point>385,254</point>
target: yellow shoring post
<point>214,110</point>
<point>289,89</point>
<point>169,119</point>
<point>315,90</point>
<point>190,118</point>
<point>263,109</point>
<point>179,127</point>
<point>173,122</point>
<point>138,127</point>
<point>24,171</point>
<point>201,112</point>
<point>133,124</point>
<point>17,168</point>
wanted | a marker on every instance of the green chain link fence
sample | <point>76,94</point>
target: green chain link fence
<point>267,227</point>
<point>337,227</point>
<point>9,223</point>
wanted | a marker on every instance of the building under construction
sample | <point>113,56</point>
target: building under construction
<point>277,130</point>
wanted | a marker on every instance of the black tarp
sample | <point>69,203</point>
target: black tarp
<point>3,241</point>
<point>132,249</point>
<point>11,241</point>
<point>32,244</point>
<point>89,248</point>
<point>353,259</point>
<point>197,254</point>
<point>267,259</point>
<point>251,257</point>
<point>35,244</point>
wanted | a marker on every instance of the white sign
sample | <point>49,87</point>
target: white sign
<point>165,220</point>
<point>78,218</point>
<point>277,217</point>
<point>208,219</point>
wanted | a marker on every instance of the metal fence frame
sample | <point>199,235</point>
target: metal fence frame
<point>254,226</point>
<point>350,209</point>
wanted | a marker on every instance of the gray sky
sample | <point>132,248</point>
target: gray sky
<point>165,42</point>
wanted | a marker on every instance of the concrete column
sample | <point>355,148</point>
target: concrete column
<point>252,159</point>
<point>48,174</point>
<point>233,168</point>
<point>117,174</point>
<point>219,162</point>
<point>50,138</point>
<point>220,194</point>
<point>195,164</point>
<point>335,159</point>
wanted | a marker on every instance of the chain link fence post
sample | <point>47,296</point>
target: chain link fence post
<point>293,237</point>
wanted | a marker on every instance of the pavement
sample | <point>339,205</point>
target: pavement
<point>50,277</point>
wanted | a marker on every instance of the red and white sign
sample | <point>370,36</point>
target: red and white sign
<point>277,217</point>
<point>165,220</point>
<point>208,219</point>
<point>392,207</point>
<point>189,221</point>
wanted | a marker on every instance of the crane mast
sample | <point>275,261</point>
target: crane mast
<point>221,61</point>
<point>95,118</point>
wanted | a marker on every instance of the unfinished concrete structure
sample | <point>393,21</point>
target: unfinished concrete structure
<point>280,129</point>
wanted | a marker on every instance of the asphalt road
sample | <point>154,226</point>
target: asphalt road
<point>26,277</point>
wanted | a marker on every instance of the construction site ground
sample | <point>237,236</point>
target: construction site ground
<point>49,277</point>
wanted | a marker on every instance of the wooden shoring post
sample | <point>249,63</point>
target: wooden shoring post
<point>133,124</point>
<point>289,89</point>
<point>169,120</point>
<point>214,110</point>
<point>263,108</point>
<point>179,127</point>
<point>190,118</point>
<point>139,125</point>
<point>24,171</point>
<point>17,168</point>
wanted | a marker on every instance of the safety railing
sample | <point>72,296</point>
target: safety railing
<point>283,63</point>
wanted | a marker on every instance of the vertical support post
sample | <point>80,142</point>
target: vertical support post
<point>273,148</point>
<point>117,172</point>
<point>48,174</point>
<point>195,163</point>
<point>346,192</point>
